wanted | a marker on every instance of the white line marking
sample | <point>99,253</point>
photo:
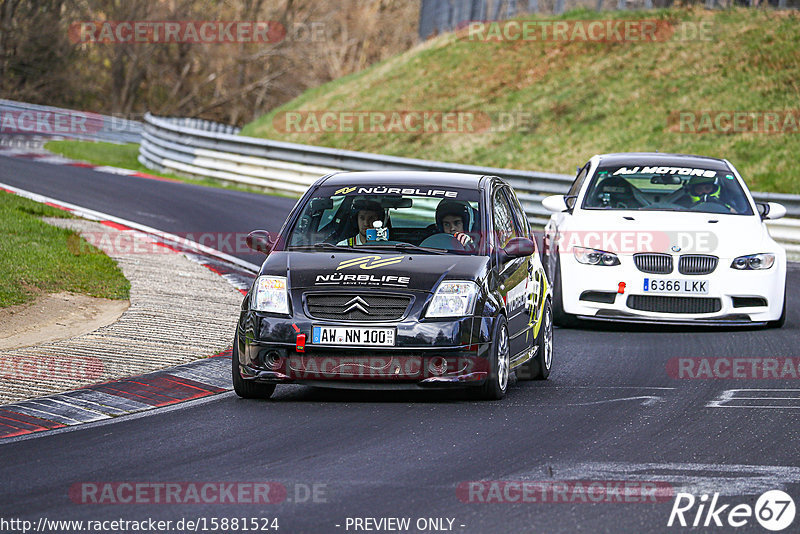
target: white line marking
<point>647,400</point>
<point>728,396</point>
<point>696,478</point>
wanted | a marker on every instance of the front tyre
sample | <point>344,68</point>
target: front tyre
<point>560,317</point>
<point>499,364</point>
<point>538,367</point>
<point>247,389</point>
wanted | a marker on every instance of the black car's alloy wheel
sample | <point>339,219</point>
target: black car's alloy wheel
<point>499,364</point>
<point>538,367</point>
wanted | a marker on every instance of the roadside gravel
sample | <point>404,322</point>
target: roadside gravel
<point>179,311</point>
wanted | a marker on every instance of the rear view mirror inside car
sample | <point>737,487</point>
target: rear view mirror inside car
<point>664,179</point>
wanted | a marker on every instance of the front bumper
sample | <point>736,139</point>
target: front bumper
<point>734,298</point>
<point>427,354</point>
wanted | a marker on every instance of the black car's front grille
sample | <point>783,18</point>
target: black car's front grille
<point>653,263</point>
<point>697,264</point>
<point>662,304</point>
<point>357,306</point>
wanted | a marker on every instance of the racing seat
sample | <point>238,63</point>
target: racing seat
<point>618,193</point>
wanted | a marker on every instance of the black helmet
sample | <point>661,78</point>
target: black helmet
<point>452,207</point>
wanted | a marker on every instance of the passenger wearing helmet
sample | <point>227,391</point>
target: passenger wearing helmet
<point>367,213</point>
<point>453,217</point>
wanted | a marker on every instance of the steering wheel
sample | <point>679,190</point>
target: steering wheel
<point>443,241</point>
<point>711,205</point>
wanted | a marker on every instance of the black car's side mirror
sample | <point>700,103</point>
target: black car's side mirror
<point>260,241</point>
<point>518,247</point>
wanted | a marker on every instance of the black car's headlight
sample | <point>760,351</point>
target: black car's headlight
<point>591,256</point>
<point>753,262</point>
<point>453,299</point>
<point>271,295</point>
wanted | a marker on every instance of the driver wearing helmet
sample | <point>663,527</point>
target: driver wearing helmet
<point>705,189</point>
<point>452,217</point>
<point>367,213</point>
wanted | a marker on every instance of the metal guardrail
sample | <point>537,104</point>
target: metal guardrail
<point>207,149</point>
<point>23,119</point>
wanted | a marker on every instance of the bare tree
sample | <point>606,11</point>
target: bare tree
<point>227,82</point>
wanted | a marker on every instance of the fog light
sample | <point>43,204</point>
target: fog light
<point>273,360</point>
<point>437,366</point>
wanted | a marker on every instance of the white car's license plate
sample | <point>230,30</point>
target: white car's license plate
<point>678,287</point>
<point>352,335</point>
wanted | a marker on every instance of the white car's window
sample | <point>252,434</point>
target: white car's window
<point>578,183</point>
<point>666,188</point>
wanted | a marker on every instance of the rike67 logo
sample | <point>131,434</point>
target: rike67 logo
<point>774,510</point>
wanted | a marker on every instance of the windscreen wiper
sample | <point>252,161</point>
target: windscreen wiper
<point>323,246</point>
<point>407,246</point>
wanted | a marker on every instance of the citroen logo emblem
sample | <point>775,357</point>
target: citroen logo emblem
<point>676,248</point>
<point>357,303</point>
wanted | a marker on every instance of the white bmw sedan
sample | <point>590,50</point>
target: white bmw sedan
<point>666,238</point>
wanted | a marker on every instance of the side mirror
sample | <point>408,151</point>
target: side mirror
<point>519,247</point>
<point>555,203</point>
<point>260,241</point>
<point>771,210</point>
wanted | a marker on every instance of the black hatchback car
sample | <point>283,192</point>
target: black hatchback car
<point>397,280</point>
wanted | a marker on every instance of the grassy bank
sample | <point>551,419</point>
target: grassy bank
<point>36,257</point>
<point>571,99</point>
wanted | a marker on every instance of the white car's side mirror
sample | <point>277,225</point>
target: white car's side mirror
<point>772,211</point>
<point>554,203</point>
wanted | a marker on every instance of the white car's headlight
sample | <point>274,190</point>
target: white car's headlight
<point>453,299</point>
<point>271,294</point>
<point>591,256</point>
<point>753,262</point>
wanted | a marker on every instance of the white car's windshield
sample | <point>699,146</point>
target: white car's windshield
<point>401,218</point>
<point>666,188</point>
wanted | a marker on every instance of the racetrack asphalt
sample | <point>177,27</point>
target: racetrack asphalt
<point>613,411</point>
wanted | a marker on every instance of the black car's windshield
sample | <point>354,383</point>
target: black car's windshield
<point>666,188</point>
<point>398,218</point>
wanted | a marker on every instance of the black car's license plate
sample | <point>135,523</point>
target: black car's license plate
<point>353,335</point>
